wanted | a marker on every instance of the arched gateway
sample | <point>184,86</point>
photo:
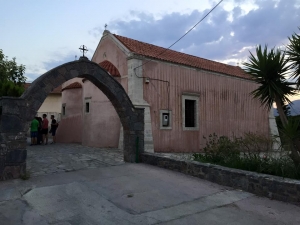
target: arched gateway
<point>17,113</point>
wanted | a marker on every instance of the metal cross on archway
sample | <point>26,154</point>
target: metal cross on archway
<point>83,49</point>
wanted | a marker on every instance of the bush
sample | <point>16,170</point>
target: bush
<point>219,149</point>
<point>26,175</point>
<point>8,88</point>
<point>251,153</point>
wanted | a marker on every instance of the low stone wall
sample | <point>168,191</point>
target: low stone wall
<point>273,187</point>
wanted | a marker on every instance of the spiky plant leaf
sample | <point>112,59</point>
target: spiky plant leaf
<point>293,53</point>
<point>268,69</point>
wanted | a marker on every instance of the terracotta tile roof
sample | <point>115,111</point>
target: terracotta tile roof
<point>57,90</point>
<point>27,85</point>
<point>72,86</point>
<point>109,67</point>
<point>153,51</point>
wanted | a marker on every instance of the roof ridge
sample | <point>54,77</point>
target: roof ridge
<point>170,55</point>
<point>175,51</point>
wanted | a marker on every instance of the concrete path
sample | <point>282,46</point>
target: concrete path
<point>129,194</point>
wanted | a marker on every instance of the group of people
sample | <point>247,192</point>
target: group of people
<point>39,130</point>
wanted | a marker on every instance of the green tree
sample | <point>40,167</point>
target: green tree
<point>269,69</point>
<point>293,53</point>
<point>12,77</point>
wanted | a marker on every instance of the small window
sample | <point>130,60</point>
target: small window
<point>190,112</point>
<point>190,115</point>
<point>87,107</point>
<point>165,119</point>
<point>63,109</point>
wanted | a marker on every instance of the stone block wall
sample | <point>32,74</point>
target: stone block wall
<point>13,151</point>
<point>273,187</point>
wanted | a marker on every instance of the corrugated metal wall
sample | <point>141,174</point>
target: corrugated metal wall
<point>225,106</point>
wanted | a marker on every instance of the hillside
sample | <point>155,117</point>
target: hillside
<point>295,108</point>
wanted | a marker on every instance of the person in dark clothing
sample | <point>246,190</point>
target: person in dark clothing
<point>53,129</point>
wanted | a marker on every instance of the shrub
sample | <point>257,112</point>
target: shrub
<point>252,153</point>
<point>219,149</point>
<point>26,175</point>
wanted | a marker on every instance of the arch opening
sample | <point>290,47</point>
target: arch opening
<point>13,164</point>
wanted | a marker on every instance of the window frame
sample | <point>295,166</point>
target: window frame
<point>194,97</point>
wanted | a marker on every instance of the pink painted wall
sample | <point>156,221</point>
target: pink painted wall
<point>108,50</point>
<point>225,106</point>
<point>69,130</point>
<point>101,127</point>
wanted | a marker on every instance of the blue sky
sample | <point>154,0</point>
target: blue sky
<point>45,34</point>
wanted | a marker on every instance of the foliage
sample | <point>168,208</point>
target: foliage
<point>269,70</point>
<point>290,133</point>
<point>286,109</point>
<point>12,77</point>
<point>290,136</point>
<point>26,175</point>
<point>291,118</point>
<point>252,153</point>
<point>293,53</point>
<point>8,88</point>
<point>220,149</point>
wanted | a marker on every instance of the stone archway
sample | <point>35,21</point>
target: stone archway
<point>17,113</point>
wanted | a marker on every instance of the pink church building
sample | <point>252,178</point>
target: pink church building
<point>184,98</point>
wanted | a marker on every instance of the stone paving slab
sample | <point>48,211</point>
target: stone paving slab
<point>134,194</point>
<point>72,184</point>
<point>59,157</point>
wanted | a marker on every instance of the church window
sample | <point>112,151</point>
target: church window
<point>190,112</point>
<point>87,105</point>
<point>190,107</point>
<point>63,109</point>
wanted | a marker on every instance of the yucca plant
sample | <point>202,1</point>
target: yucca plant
<point>291,136</point>
<point>269,70</point>
<point>293,53</point>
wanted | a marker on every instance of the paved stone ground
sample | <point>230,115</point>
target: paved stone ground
<point>114,192</point>
<point>57,158</point>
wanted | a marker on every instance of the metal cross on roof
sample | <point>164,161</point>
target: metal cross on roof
<point>105,26</point>
<point>83,49</point>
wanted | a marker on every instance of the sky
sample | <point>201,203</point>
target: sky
<point>45,34</point>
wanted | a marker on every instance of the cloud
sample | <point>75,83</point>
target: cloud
<point>267,22</point>
<point>52,60</point>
